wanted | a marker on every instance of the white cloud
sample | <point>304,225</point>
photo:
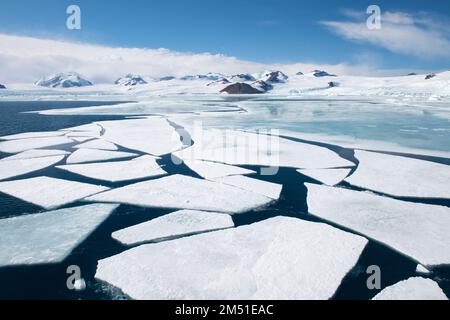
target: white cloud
<point>404,33</point>
<point>26,59</point>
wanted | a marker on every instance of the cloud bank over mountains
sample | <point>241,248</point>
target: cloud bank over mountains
<point>26,59</point>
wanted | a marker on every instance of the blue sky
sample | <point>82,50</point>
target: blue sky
<point>266,31</point>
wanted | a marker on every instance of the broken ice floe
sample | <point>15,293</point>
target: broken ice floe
<point>49,193</point>
<point>28,135</point>
<point>81,139</point>
<point>36,153</point>
<point>48,237</point>
<point>401,176</point>
<point>90,127</point>
<point>92,155</point>
<point>139,168</point>
<point>153,135</point>
<point>268,189</point>
<point>211,170</point>
<point>413,289</point>
<point>420,269</point>
<point>274,259</point>
<point>13,168</point>
<point>329,177</point>
<point>97,144</point>
<point>16,146</point>
<point>176,224</point>
<point>183,192</point>
<point>246,148</point>
<point>419,231</point>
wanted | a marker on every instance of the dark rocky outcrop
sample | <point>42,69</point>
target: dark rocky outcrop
<point>412,74</point>
<point>2,86</point>
<point>430,76</point>
<point>333,84</point>
<point>299,73</point>
<point>240,88</point>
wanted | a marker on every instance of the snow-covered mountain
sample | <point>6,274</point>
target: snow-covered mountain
<point>243,77</point>
<point>64,80</point>
<point>262,86</point>
<point>322,73</point>
<point>240,88</point>
<point>130,80</point>
<point>273,77</point>
<point>209,77</point>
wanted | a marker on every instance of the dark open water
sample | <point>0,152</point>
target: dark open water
<point>49,281</point>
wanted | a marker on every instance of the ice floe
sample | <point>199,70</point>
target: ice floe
<point>247,148</point>
<point>139,168</point>
<point>28,135</point>
<point>153,135</point>
<point>329,177</point>
<point>97,144</point>
<point>48,237</point>
<point>417,230</point>
<point>90,127</point>
<point>14,168</point>
<point>268,189</point>
<point>274,259</point>
<point>422,270</point>
<point>401,176</point>
<point>176,224</point>
<point>47,192</point>
<point>36,153</point>
<point>16,146</point>
<point>211,170</point>
<point>413,289</point>
<point>183,192</point>
<point>81,139</point>
<point>92,155</point>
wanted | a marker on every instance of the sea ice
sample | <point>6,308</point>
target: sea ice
<point>152,135</point>
<point>97,144</point>
<point>329,177</point>
<point>28,135</point>
<point>81,139</point>
<point>183,192</point>
<point>279,258</point>
<point>142,167</point>
<point>36,153</point>
<point>413,289</point>
<point>401,176</point>
<point>417,230</point>
<point>211,170</point>
<point>92,155</point>
<point>90,127</point>
<point>268,189</point>
<point>176,224</point>
<point>49,193</point>
<point>48,237</point>
<point>247,148</point>
<point>16,146</point>
<point>13,168</point>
